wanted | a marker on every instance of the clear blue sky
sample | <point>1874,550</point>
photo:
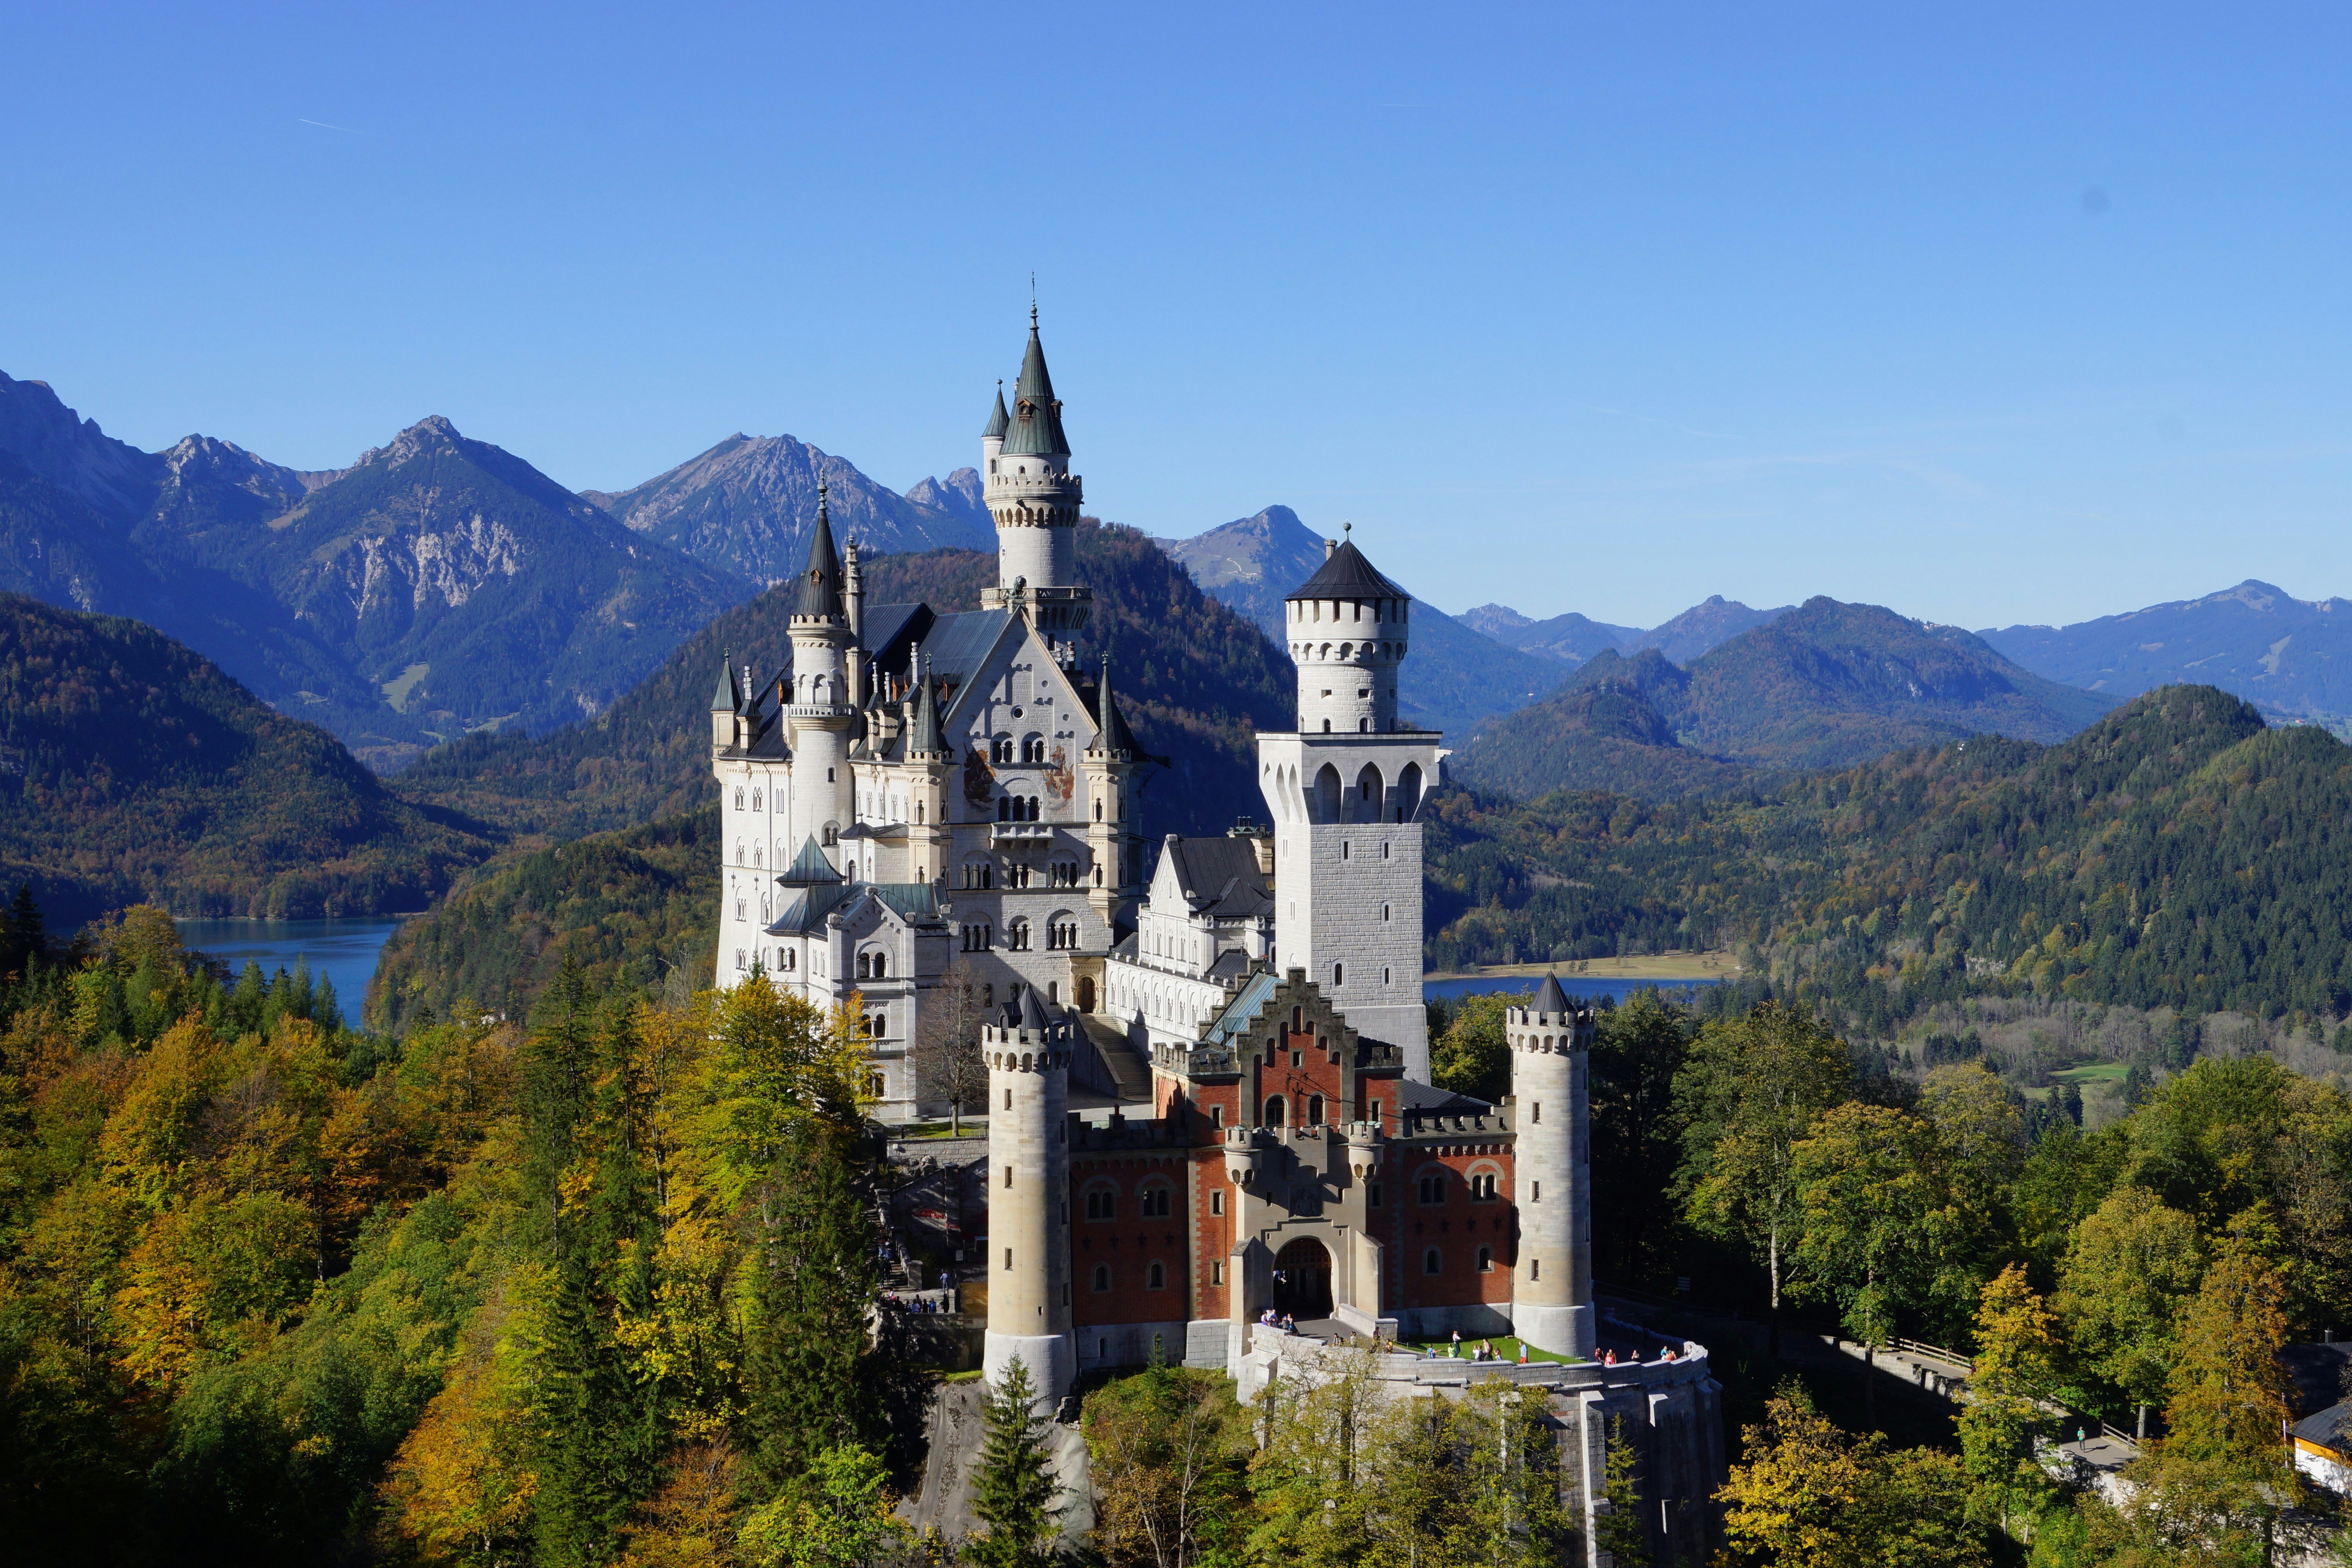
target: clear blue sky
<point>2020,313</point>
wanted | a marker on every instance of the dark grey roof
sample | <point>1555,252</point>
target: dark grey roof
<point>1033,1015</point>
<point>2317,1372</point>
<point>1232,964</point>
<point>821,582</point>
<point>1552,998</point>
<point>1346,574</point>
<point>890,629</point>
<point>1037,426</point>
<point>1428,1100</point>
<point>959,644</point>
<point>1219,875</point>
<point>997,419</point>
<point>1112,737</point>
<point>810,866</point>
<point>726,699</point>
<point>2330,1428</point>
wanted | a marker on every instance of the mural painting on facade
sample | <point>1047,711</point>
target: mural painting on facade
<point>1060,783</point>
<point>978,778</point>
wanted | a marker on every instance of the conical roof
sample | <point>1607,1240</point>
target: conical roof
<point>1346,574</point>
<point>1112,734</point>
<point>725,698</point>
<point>810,867</point>
<point>1552,998</point>
<point>923,729</point>
<point>998,420</point>
<point>1033,1015</point>
<point>821,583</point>
<point>1036,425</point>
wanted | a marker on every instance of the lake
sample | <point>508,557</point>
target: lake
<point>344,951</point>
<point>1592,987</point>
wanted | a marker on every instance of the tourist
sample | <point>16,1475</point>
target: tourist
<point>1609,1359</point>
<point>1457,1344</point>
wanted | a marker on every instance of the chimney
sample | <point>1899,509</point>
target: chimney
<point>1331,548</point>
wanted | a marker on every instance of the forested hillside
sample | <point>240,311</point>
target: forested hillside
<point>132,770</point>
<point>1195,680</point>
<point>2176,853</point>
<point>632,909</point>
<point>1823,686</point>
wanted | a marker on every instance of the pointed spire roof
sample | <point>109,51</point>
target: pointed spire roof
<point>1552,998</point>
<point>1036,426</point>
<point>1033,1015</point>
<point>1112,735</point>
<point>821,583</point>
<point>810,867</point>
<point>726,699</point>
<point>998,420</point>
<point>923,729</point>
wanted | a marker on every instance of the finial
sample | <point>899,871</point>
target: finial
<point>1033,299</point>
<point>1347,528</point>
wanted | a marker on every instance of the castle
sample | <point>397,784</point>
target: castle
<point>923,795</point>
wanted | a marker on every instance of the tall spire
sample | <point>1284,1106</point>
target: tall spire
<point>1036,428</point>
<point>998,420</point>
<point>923,729</point>
<point>1113,737</point>
<point>820,584</point>
<point>727,698</point>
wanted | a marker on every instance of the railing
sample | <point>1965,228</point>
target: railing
<point>1031,831</point>
<point>1921,1347</point>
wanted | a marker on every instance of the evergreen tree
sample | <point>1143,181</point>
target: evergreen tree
<point>814,1286</point>
<point>301,1000</point>
<point>1619,1532</point>
<point>326,1009</point>
<point>246,1002</point>
<point>1013,1492</point>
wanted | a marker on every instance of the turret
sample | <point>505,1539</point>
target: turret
<point>1345,626</point>
<point>1109,764</point>
<point>822,699</point>
<point>928,759</point>
<point>1028,1057</point>
<point>1035,501</point>
<point>853,605</point>
<point>1551,1288</point>
<point>724,704</point>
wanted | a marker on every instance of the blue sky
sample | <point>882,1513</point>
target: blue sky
<point>2005,313</point>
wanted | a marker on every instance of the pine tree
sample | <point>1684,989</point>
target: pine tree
<point>812,1290</point>
<point>1619,1532</point>
<point>1013,1491</point>
<point>326,1009</point>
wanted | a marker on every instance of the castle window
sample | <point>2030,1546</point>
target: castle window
<point>1102,1277</point>
<point>1033,749</point>
<point>828,776</point>
<point>874,1085</point>
<point>1016,937</point>
<point>1433,1189</point>
<point>739,959</point>
<point>1431,1263</point>
<point>1486,1260</point>
<point>755,800</point>
<point>1482,1187</point>
<point>1217,1202</point>
<point>1000,750</point>
<point>1156,1279</point>
<point>1102,1205</point>
<point>1343,850</point>
<point>1364,726</point>
<point>1537,1116</point>
<point>1217,1273</point>
<point>1372,1113</point>
<point>1373,1196</point>
<point>786,958</point>
<point>1273,1101</point>
<point>1534,1269</point>
<point>1155,1202</point>
<point>1338,973</point>
<point>738,800</point>
<point>1327,723</point>
<point>1314,1110</point>
<point>1008,1257</point>
<point>1217,1119</point>
<point>1535,1192</point>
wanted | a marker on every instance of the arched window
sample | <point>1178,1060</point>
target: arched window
<point>755,800</point>
<point>1102,1277</point>
<point>1484,1186</point>
<point>1156,1276</point>
<point>1338,974</point>
<point>1432,1188</point>
<point>1000,750</point>
<point>738,800</point>
<point>1431,1263</point>
<point>1273,1110</point>
<point>1102,1204</point>
<point>1156,1200</point>
<point>881,966</point>
<point>1314,1110</point>
<point>1033,749</point>
<point>1486,1260</point>
<point>786,959</point>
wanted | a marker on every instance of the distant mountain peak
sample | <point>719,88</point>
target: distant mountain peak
<point>429,434</point>
<point>1490,618</point>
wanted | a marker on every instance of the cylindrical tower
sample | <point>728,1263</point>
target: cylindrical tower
<point>1551,1287</point>
<point>1028,1258</point>
<point>823,702</point>
<point>1347,626</point>
<point>1035,500</point>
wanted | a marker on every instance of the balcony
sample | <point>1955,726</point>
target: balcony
<point>1019,832</point>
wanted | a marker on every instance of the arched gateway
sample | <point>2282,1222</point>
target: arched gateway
<point>1302,1280</point>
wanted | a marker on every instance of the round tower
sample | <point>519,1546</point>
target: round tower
<point>1028,1058</point>
<point>1035,500</point>
<point>1551,1287</point>
<point>823,701</point>
<point>1347,627</point>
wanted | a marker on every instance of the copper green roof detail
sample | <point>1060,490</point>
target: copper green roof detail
<point>998,420</point>
<point>724,700</point>
<point>1112,735</point>
<point>1036,428</point>
<point>923,729</point>
<point>810,867</point>
<point>821,583</point>
<point>1346,574</point>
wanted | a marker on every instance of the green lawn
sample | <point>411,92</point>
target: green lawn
<point>2094,1072</point>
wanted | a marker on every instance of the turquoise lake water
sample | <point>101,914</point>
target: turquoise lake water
<point>344,951</point>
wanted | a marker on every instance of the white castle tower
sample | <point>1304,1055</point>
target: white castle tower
<point>1028,1259</point>
<point>824,703</point>
<point>1345,791</point>
<point>1035,501</point>
<point>1551,1287</point>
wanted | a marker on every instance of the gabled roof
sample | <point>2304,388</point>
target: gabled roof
<point>810,867</point>
<point>1346,574</point>
<point>808,909</point>
<point>1036,426</point>
<point>890,629</point>
<point>2329,1428</point>
<point>821,579</point>
<point>1218,876</point>
<point>997,419</point>
<point>1241,1009</point>
<point>1552,998</point>
<point>960,644</point>
<point>1428,1100</point>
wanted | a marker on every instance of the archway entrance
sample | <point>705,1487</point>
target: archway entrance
<point>1086,993</point>
<point>1302,1280</point>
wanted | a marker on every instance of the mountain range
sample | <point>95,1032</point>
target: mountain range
<point>746,505</point>
<point>1825,685</point>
